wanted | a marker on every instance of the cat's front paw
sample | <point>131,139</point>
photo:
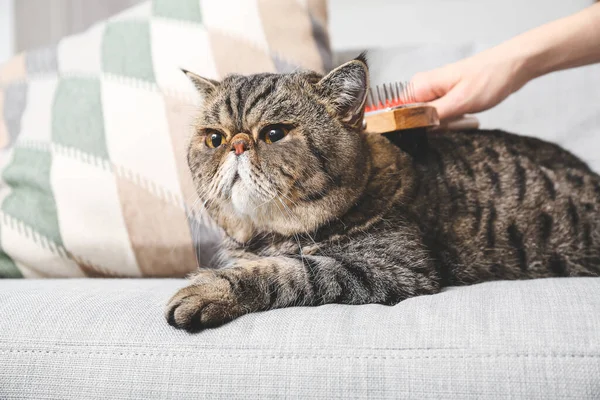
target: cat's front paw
<point>203,305</point>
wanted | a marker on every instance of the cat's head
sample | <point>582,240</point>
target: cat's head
<point>280,153</point>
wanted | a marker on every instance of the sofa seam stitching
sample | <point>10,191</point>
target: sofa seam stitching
<point>435,356</point>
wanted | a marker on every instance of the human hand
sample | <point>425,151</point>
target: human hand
<point>471,85</point>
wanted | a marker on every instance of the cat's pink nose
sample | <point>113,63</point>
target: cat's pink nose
<point>240,143</point>
<point>239,147</point>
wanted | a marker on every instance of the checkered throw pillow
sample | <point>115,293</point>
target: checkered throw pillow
<point>93,174</point>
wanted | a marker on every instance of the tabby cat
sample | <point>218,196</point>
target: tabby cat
<point>317,211</point>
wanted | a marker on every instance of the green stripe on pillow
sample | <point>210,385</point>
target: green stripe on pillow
<point>185,10</point>
<point>77,119</point>
<point>8,268</point>
<point>126,50</point>
<point>31,200</point>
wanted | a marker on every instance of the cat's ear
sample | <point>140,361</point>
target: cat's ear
<point>344,90</point>
<point>204,85</point>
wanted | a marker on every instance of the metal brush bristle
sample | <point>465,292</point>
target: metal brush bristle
<point>389,95</point>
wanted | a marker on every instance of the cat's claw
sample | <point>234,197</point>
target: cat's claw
<point>202,306</point>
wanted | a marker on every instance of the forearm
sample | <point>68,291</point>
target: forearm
<point>566,43</point>
<point>276,282</point>
<point>358,275</point>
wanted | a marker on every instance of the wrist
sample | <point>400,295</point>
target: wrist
<point>526,66</point>
<point>527,58</point>
<point>519,64</point>
<point>536,62</point>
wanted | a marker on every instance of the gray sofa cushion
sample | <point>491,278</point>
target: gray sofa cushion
<point>75,339</point>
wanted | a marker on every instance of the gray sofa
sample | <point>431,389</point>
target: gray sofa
<point>107,339</point>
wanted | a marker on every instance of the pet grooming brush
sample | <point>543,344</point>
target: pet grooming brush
<point>391,107</point>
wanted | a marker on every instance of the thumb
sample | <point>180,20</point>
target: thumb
<point>431,85</point>
<point>453,104</point>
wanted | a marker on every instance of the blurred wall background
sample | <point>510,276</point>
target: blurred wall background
<point>384,23</point>
<point>355,24</point>
<point>7,39</point>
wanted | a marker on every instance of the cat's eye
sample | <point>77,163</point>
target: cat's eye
<point>274,133</point>
<point>213,139</point>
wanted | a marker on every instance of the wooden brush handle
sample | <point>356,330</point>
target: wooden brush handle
<point>409,117</point>
<point>415,116</point>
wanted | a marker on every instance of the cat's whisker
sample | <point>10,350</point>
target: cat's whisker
<point>287,198</point>
<point>298,220</point>
<point>196,207</point>
<point>305,231</point>
<point>295,237</point>
<point>192,198</point>
<point>265,202</point>
<point>263,184</point>
<point>290,215</point>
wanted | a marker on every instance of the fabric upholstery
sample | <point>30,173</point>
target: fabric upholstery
<point>93,132</point>
<point>107,339</point>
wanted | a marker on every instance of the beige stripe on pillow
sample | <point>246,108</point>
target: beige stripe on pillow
<point>295,28</point>
<point>158,231</point>
<point>180,116</point>
<point>13,70</point>
<point>235,56</point>
<point>239,19</point>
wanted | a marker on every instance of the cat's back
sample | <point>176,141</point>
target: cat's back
<point>498,205</point>
<point>508,164</point>
<point>493,146</point>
